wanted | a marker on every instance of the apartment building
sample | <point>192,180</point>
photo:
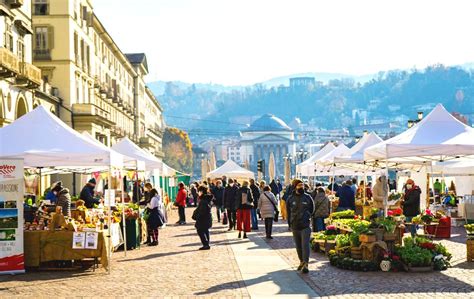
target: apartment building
<point>103,87</point>
<point>18,77</point>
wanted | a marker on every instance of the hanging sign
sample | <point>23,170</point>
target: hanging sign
<point>11,216</point>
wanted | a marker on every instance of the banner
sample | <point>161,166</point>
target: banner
<point>11,216</point>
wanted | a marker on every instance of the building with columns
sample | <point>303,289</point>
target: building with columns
<point>268,134</point>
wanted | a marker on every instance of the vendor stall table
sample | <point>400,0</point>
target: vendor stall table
<point>45,246</point>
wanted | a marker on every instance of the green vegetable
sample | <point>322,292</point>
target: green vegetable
<point>343,240</point>
<point>415,256</point>
<point>441,249</point>
<point>469,228</point>
<point>342,214</point>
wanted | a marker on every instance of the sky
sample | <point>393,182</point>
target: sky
<point>241,42</point>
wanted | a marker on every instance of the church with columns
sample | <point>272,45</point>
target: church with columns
<point>268,134</point>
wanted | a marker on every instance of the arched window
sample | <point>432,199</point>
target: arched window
<point>2,114</point>
<point>21,107</point>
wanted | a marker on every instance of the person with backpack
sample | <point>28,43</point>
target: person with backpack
<point>300,209</point>
<point>267,204</point>
<point>228,201</point>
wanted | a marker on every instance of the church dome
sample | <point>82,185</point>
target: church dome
<point>268,122</point>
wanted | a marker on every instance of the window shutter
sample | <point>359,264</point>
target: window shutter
<point>33,38</point>
<point>84,13</point>
<point>50,37</point>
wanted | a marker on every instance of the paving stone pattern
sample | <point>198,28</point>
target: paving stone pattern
<point>456,282</point>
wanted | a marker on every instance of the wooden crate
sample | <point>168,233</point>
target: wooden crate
<point>367,238</point>
<point>356,253</point>
<point>470,250</point>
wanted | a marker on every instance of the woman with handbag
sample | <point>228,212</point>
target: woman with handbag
<point>203,216</point>
<point>155,216</point>
<point>267,204</point>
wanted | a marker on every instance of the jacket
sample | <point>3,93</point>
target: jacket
<point>255,194</point>
<point>229,197</point>
<point>379,192</point>
<point>238,199</point>
<point>64,201</point>
<point>300,209</point>
<point>288,192</point>
<point>203,213</point>
<point>87,195</point>
<point>411,204</point>
<point>321,205</point>
<point>274,187</point>
<point>137,193</point>
<point>181,197</point>
<point>346,197</point>
<point>218,193</point>
<point>267,209</point>
<point>334,186</point>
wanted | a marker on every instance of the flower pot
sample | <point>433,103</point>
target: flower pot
<point>378,233</point>
<point>385,266</point>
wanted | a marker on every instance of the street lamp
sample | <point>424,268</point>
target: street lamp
<point>302,154</point>
<point>412,122</point>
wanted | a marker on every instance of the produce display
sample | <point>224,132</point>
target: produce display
<point>342,214</point>
<point>423,252</point>
<point>469,228</point>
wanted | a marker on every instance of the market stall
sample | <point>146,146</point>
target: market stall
<point>230,169</point>
<point>65,148</point>
<point>307,167</point>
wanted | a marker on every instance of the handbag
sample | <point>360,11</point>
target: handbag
<point>277,213</point>
<point>195,214</point>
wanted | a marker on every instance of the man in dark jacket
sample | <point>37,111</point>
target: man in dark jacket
<point>87,194</point>
<point>256,195</point>
<point>300,208</point>
<point>203,217</point>
<point>244,206</point>
<point>137,191</point>
<point>411,203</point>
<point>230,193</point>
<point>218,193</point>
<point>346,197</point>
<point>333,186</point>
<point>274,187</point>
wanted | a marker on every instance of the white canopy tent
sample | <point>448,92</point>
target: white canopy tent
<point>439,136</point>
<point>128,148</point>
<point>328,159</point>
<point>356,153</point>
<point>230,169</point>
<point>43,140</point>
<point>307,168</point>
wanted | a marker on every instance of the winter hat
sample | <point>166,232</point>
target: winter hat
<point>296,182</point>
<point>92,181</point>
<point>411,182</point>
<point>57,186</point>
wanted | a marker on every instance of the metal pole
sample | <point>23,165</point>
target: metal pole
<point>124,226</point>
<point>109,219</point>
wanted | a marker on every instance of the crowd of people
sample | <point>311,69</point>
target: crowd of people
<point>241,204</point>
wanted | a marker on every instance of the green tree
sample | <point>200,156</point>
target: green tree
<point>177,148</point>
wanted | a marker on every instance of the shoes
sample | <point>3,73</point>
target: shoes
<point>205,248</point>
<point>229,229</point>
<point>269,237</point>
<point>254,228</point>
<point>245,235</point>
<point>305,268</point>
<point>300,267</point>
<point>239,235</point>
<point>154,243</point>
<point>179,222</point>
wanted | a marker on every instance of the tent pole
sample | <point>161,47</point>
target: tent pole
<point>124,226</point>
<point>386,197</point>
<point>109,219</point>
<point>138,203</point>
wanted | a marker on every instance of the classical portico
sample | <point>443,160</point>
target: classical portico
<point>267,135</point>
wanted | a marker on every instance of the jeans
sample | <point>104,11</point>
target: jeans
<point>218,212</point>
<point>318,224</point>
<point>268,227</point>
<point>231,215</point>
<point>412,227</point>
<point>204,236</point>
<point>243,220</point>
<point>254,219</point>
<point>181,213</point>
<point>301,238</point>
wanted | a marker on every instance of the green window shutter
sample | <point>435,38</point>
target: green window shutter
<point>33,38</point>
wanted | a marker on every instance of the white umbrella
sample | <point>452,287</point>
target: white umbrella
<point>271,167</point>
<point>204,170</point>
<point>287,171</point>
<point>212,161</point>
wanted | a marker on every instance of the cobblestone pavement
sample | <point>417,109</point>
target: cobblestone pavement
<point>173,268</point>
<point>176,268</point>
<point>456,282</point>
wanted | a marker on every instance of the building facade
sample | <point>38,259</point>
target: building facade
<point>267,135</point>
<point>103,87</point>
<point>18,76</point>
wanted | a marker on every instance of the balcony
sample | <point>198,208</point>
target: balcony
<point>9,64</point>
<point>117,131</point>
<point>103,87</point>
<point>90,113</point>
<point>29,75</point>
<point>15,3</point>
<point>42,54</point>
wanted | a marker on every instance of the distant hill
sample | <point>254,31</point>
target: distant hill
<point>323,77</point>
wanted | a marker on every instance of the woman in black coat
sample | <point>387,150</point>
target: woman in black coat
<point>203,217</point>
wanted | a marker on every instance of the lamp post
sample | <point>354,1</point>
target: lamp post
<point>288,158</point>
<point>302,154</point>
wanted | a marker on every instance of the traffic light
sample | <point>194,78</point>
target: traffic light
<point>260,165</point>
